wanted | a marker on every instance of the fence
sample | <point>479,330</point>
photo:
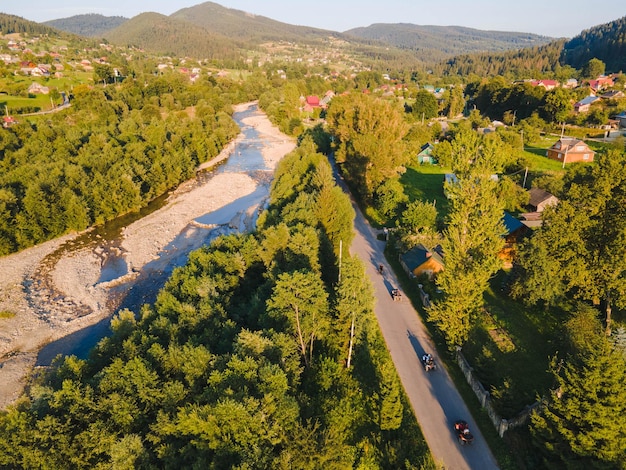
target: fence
<point>502,425</point>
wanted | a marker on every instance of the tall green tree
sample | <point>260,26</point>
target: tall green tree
<point>583,241</point>
<point>472,240</point>
<point>299,299</point>
<point>368,133</point>
<point>581,424</point>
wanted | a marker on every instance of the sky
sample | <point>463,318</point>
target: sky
<point>554,18</point>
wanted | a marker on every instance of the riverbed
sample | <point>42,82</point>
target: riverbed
<point>63,293</point>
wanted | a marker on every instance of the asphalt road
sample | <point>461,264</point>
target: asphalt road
<point>433,396</point>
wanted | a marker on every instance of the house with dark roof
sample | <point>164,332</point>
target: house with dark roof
<point>515,230</point>
<point>419,260</point>
<point>570,150</point>
<point>425,154</point>
<point>538,201</point>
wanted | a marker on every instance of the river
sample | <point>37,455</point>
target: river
<point>245,158</point>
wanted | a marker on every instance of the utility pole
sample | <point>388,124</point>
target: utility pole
<point>525,175</point>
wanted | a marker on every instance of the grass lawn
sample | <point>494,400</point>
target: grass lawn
<point>510,349</point>
<point>425,183</point>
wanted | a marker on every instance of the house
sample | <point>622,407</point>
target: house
<point>584,105</point>
<point>570,150</point>
<point>571,83</point>
<point>514,231</point>
<point>540,199</point>
<point>547,84</point>
<point>426,154</point>
<point>311,103</point>
<point>419,261</point>
<point>612,95</point>
<point>601,83</point>
<point>36,88</point>
<point>621,118</point>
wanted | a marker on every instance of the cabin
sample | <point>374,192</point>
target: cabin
<point>540,199</point>
<point>570,150</point>
<point>425,154</point>
<point>419,260</point>
<point>515,230</point>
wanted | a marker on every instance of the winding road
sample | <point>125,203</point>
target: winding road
<point>433,396</point>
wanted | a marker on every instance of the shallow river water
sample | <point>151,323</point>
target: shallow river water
<point>246,158</point>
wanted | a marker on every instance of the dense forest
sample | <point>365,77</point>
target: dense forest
<point>253,356</point>
<point>170,36</point>
<point>66,173</point>
<point>605,42</point>
<point>91,25</point>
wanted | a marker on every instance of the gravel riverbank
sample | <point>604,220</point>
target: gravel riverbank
<point>52,296</point>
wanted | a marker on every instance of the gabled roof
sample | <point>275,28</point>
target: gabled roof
<point>511,224</point>
<point>538,195</point>
<point>567,144</point>
<point>587,100</point>
<point>419,254</point>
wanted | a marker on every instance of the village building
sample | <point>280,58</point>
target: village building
<point>570,150</point>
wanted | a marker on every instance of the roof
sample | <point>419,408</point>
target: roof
<point>511,224</point>
<point>426,148</point>
<point>538,195</point>
<point>419,254</point>
<point>587,100</point>
<point>567,144</point>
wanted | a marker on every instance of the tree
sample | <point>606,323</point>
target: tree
<point>472,240</point>
<point>583,241</point>
<point>353,301</point>
<point>368,135</point>
<point>418,216</point>
<point>557,105</point>
<point>592,69</point>
<point>425,105</point>
<point>581,425</point>
<point>389,197</point>
<point>299,299</point>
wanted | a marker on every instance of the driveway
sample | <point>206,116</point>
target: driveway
<point>433,396</point>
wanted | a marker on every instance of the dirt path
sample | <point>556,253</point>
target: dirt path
<point>47,296</point>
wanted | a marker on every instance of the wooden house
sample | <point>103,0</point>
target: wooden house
<point>570,150</point>
<point>425,154</point>
<point>540,199</point>
<point>419,260</point>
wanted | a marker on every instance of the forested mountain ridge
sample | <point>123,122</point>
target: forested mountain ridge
<point>237,24</point>
<point>527,62</point>
<point>91,25</point>
<point>10,24</point>
<point>170,36</point>
<point>606,42</point>
<point>446,40</point>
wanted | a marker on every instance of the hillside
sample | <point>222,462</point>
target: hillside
<point>165,35</point>
<point>606,42</point>
<point>237,24</point>
<point>446,40</point>
<point>91,25</point>
<point>10,24</point>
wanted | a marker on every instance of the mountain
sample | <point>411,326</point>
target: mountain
<point>170,36</point>
<point>91,25</point>
<point>606,42</point>
<point>447,40</point>
<point>245,26</point>
<point>10,24</point>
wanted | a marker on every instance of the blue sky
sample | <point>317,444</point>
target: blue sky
<point>556,18</point>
